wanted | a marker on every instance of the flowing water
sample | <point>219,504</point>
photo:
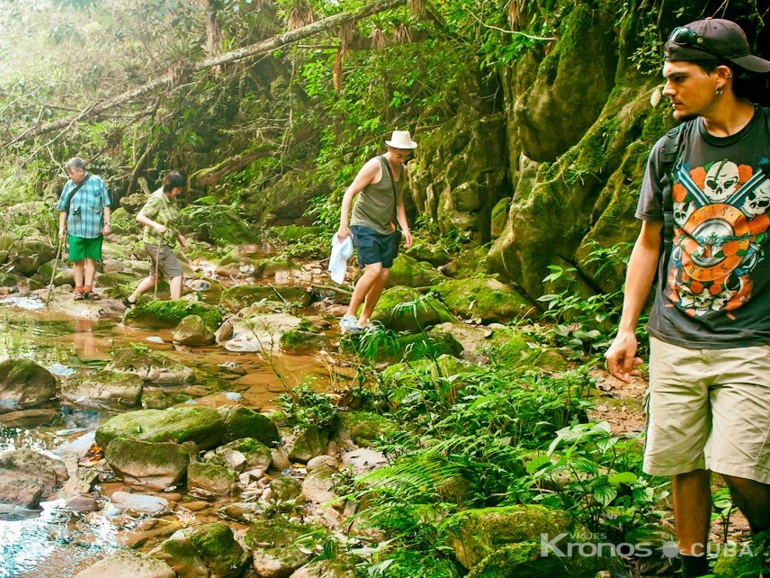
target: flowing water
<point>58,543</point>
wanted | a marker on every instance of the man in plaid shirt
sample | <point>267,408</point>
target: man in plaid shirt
<point>84,209</point>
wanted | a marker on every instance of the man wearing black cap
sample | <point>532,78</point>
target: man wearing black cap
<point>705,226</point>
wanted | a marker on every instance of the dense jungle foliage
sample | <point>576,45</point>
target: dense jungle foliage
<point>275,134</point>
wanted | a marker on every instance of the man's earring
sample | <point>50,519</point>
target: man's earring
<point>719,91</point>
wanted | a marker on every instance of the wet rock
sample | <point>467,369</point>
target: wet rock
<point>81,483</point>
<point>28,418</point>
<point>318,486</point>
<point>24,384</point>
<point>323,461</point>
<point>140,503</point>
<point>393,311</point>
<point>192,331</point>
<point>260,332</point>
<point>363,460</point>
<point>82,503</point>
<point>274,550</point>
<point>285,488</point>
<point>27,476</point>
<point>299,341</point>
<point>209,481</point>
<point>487,300</point>
<point>308,444</point>
<point>112,389</point>
<point>407,271</point>
<point>241,455</point>
<point>201,425</point>
<point>206,550</point>
<point>151,465</point>
<point>150,366</point>
<point>10,513</point>
<point>243,422</point>
<point>160,314</point>
<point>128,564</point>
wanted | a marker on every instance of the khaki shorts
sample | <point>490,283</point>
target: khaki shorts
<point>709,409</point>
<point>169,265</point>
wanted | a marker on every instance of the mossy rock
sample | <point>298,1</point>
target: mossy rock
<point>428,345</point>
<point>365,427</point>
<point>124,223</point>
<point>168,314</point>
<point>211,481</point>
<point>152,464</point>
<point>201,425</point>
<point>217,547</point>
<point>404,309</point>
<point>299,341</point>
<point>218,224</point>
<point>522,560</point>
<point>163,399</point>
<point>295,233</point>
<point>279,532</point>
<point>149,365</point>
<point>408,564</point>
<point>428,253</point>
<point>116,283</point>
<point>514,348</point>
<point>193,331</point>
<point>408,272</point>
<point>474,534</point>
<point>244,422</point>
<point>256,455</point>
<point>486,299</point>
<point>274,265</point>
<point>469,263</point>
<point>499,217</point>
<point>236,298</point>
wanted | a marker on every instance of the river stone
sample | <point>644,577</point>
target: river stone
<point>167,314</point>
<point>180,554</point>
<point>150,366</point>
<point>29,418</point>
<point>11,513</point>
<point>487,300</point>
<point>241,455</point>
<point>338,567</point>
<point>104,389</point>
<point>243,422</point>
<point>407,271</point>
<point>201,425</point>
<point>522,559</point>
<point>152,465</point>
<point>24,384</point>
<point>273,546</point>
<point>404,309</point>
<point>29,254</point>
<point>280,459</point>
<point>193,331</point>
<point>217,546</point>
<point>27,476</point>
<point>260,332</point>
<point>318,486</point>
<point>363,427</point>
<point>285,488</point>
<point>309,443</point>
<point>128,564</point>
<point>210,481</point>
<point>140,503</point>
<point>323,461</point>
<point>81,483</point>
<point>475,534</point>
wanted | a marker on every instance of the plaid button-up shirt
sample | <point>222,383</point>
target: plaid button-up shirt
<point>86,216</point>
<point>165,211</point>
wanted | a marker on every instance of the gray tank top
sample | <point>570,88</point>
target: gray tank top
<point>375,206</point>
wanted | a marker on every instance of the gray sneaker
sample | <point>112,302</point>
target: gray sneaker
<point>349,324</point>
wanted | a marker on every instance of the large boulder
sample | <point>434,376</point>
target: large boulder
<point>260,332</point>
<point>404,309</point>
<point>309,443</point>
<point>24,384</point>
<point>244,422</point>
<point>125,563</point>
<point>211,481</point>
<point>149,365</point>
<point>206,550</point>
<point>241,455</point>
<point>104,388</point>
<point>153,465</point>
<point>407,271</point>
<point>29,254</point>
<point>193,331</point>
<point>27,476</point>
<point>167,314</point>
<point>475,534</point>
<point>487,300</point>
<point>201,425</point>
<point>275,551</point>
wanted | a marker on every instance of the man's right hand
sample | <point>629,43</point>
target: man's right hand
<point>621,356</point>
<point>62,235</point>
<point>343,232</point>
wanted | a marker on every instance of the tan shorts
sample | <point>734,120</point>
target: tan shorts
<point>169,265</point>
<point>709,409</point>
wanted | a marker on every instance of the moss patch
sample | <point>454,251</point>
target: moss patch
<point>160,314</point>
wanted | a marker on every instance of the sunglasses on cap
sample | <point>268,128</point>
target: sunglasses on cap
<point>682,36</point>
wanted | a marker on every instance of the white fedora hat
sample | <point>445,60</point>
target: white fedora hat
<point>401,139</point>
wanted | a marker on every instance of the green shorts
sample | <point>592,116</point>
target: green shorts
<point>81,248</point>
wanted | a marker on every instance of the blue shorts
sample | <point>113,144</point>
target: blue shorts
<point>374,247</point>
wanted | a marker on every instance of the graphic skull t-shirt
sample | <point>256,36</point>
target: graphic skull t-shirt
<point>714,280</point>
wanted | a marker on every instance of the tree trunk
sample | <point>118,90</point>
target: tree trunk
<point>246,52</point>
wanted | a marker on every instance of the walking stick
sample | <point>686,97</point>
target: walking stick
<point>53,273</point>
<point>157,263</point>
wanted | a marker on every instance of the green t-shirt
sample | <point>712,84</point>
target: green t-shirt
<point>165,211</point>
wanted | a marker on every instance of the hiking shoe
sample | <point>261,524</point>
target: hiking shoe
<point>79,296</point>
<point>349,324</point>
<point>128,304</point>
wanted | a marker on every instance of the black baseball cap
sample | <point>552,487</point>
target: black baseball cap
<point>713,39</point>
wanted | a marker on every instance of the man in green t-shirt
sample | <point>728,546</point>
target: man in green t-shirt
<point>160,216</point>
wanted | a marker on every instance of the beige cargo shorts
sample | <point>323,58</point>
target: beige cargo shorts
<point>708,409</point>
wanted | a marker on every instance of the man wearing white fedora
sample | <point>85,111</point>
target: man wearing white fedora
<point>377,213</point>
